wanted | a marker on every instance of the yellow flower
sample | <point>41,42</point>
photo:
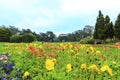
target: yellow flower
<point>82,46</point>
<point>91,50</point>
<point>71,51</point>
<point>104,68</point>
<point>83,66</point>
<point>54,60</point>
<point>98,52</point>
<point>26,74</point>
<point>69,67</point>
<point>71,46</point>
<point>107,68</point>
<point>65,47</point>
<point>94,67</point>
<point>110,71</point>
<point>35,45</point>
<point>40,46</point>
<point>49,64</point>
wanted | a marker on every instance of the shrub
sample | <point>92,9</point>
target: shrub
<point>109,41</point>
<point>16,38</point>
<point>87,40</point>
<point>91,41</point>
<point>28,37</point>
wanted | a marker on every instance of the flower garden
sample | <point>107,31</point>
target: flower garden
<point>59,61</point>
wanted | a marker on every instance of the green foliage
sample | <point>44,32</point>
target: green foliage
<point>51,36</point>
<point>14,30</point>
<point>117,27</point>
<point>109,31</point>
<point>28,37</point>
<point>108,41</point>
<point>16,38</point>
<point>99,27</point>
<point>88,40</point>
<point>83,54</point>
<point>5,34</point>
<point>103,28</point>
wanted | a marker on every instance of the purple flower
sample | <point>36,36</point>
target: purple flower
<point>2,78</point>
<point>9,66</point>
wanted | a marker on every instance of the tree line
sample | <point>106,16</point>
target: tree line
<point>14,34</point>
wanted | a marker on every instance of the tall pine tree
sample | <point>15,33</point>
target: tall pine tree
<point>99,27</point>
<point>117,27</point>
<point>108,31</point>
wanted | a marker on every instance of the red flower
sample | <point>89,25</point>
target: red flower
<point>52,55</point>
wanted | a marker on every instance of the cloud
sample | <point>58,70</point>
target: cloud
<point>35,14</point>
<point>74,6</point>
<point>32,15</point>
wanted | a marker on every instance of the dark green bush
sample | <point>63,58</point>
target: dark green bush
<point>16,38</point>
<point>28,37</point>
<point>90,41</point>
<point>5,34</point>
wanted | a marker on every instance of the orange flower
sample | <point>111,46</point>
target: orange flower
<point>117,45</point>
<point>32,49</point>
<point>41,50</point>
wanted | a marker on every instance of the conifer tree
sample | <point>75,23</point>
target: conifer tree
<point>99,27</point>
<point>117,27</point>
<point>109,31</point>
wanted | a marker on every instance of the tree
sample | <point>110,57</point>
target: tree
<point>14,30</point>
<point>38,37</point>
<point>28,37</point>
<point>62,37</point>
<point>16,38</point>
<point>108,31</point>
<point>88,30</point>
<point>50,35</point>
<point>5,34</point>
<point>117,27</point>
<point>43,37</point>
<point>99,27</point>
<point>81,34</point>
<point>25,31</point>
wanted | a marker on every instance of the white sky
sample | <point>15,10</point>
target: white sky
<point>54,15</point>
